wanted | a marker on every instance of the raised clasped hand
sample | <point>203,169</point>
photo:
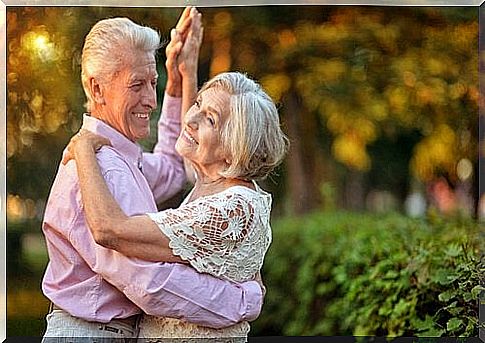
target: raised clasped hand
<point>172,51</point>
<point>188,58</point>
<point>183,50</point>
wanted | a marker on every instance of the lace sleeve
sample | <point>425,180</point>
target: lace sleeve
<point>219,235</point>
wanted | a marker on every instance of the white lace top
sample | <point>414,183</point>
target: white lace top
<point>226,235</point>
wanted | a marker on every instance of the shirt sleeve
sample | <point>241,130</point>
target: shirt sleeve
<point>164,168</point>
<point>210,234</point>
<point>166,289</point>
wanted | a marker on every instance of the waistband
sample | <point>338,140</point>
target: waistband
<point>132,321</point>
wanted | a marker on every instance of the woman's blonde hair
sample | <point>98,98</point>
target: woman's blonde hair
<point>106,46</point>
<point>252,135</point>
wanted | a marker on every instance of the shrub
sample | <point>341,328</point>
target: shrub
<point>357,274</point>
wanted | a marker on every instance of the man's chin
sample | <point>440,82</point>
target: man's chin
<point>136,139</point>
<point>141,136</point>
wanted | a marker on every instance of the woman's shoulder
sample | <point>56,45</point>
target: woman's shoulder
<point>238,197</point>
<point>242,192</point>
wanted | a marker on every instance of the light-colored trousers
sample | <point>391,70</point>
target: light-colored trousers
<point>64,328</point>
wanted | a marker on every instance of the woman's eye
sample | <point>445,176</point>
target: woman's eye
<point>197,103</point>
<point>211,121</point>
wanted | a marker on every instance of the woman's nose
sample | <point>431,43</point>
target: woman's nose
<point>192,120</point>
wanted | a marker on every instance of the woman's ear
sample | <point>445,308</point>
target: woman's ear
<point>96,91</point>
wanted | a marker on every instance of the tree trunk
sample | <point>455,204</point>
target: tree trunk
<point>354,197</point>
<point>302,182</point>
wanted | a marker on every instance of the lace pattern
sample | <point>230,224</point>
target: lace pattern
<point>173,330</point>
<point>226,235</point>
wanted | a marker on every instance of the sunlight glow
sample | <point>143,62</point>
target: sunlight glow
<point>40,42</point>
<point>40,45</point>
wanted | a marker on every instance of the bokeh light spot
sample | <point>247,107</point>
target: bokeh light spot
<point>464,169</point>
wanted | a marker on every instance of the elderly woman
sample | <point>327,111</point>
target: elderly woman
<point>231,136</point>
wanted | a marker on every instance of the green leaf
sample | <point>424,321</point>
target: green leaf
<point>433,332</point>
<point>385,311</point>
<point>425,324</point>
<point>453,250</point>
<point>476,291</point>
<point>444,276</point>
<point>447,295</point>
<point>452,305</point>
<point>391,274</point>
<point>454,324</point>
<point>470,327</point>
<point>455,311</point>
<point>440,276</point>
<point>402,307</point>
<point>467,296</point>
<point>361,330</point>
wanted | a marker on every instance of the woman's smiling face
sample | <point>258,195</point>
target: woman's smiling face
<point>200,137</point>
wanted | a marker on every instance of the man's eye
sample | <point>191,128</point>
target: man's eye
<point>154,83</point>
<point>211,121</point>
<point>197,103</point>
<point>136,86</point>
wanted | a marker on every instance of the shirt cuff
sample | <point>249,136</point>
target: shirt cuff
<point>171,107</point>
<point>254,297</point>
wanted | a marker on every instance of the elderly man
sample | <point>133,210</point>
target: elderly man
<point>97,292</point>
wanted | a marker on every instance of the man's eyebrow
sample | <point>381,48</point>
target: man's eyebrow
<point>134,78</point>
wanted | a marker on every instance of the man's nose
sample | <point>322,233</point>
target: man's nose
<point>150,97</point>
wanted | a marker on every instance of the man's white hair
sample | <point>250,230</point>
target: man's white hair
<point>106,47</point>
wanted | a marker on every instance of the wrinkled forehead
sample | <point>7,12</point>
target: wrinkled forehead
<point>138,62</point>
<point>215,94</point>
<point>137,58</point>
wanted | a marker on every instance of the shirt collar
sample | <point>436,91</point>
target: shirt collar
<point>132,151</point>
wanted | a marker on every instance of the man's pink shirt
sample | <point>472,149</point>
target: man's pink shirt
<point>98,284</point>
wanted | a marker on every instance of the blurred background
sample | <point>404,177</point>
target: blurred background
<point>377,205</point>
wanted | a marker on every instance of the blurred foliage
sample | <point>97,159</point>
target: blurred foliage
<point>351,78</point>
<point>347,79</point>
<point>26,307</point>
<point>340,273</point>
<point>27,258</point>
<point>45,99</point>
<point>373,72</point>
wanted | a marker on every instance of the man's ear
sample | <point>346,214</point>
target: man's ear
<point>97,91</point>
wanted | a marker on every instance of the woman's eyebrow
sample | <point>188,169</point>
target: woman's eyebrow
<point>214,111</point>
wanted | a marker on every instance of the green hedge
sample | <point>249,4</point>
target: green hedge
<point>358,274</point>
